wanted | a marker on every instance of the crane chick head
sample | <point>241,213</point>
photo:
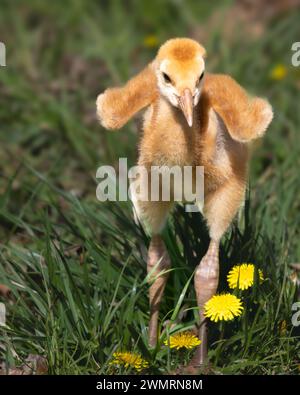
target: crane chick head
<point>180,70</point>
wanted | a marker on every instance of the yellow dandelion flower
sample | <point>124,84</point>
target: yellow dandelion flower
<point>278,73</point>
<point>129,359</point>
<point>242,276</point>
<point>151,41</point>
<point>182,340</point>
<point>223,307</point>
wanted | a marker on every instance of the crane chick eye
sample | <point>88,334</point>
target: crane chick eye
<point>200,78</point>
<point>167,78</point>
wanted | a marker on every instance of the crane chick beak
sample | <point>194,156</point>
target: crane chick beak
<point>187,105</point>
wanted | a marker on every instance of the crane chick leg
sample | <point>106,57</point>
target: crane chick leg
<point>154,215</point>
<point>219,210</point>
<point>206,281</point>
<point>157,264</point>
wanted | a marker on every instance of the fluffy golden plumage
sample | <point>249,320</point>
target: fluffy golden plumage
<point>224,119</point>
<point>181,50</point>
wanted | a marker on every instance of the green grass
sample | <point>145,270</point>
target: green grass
<point>75,266</point>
